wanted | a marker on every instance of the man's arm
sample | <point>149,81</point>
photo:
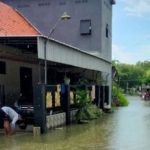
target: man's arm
<point>14,122</point>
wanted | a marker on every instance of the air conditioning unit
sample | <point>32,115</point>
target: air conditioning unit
<point>112,2</point>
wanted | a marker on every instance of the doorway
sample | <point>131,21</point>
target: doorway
<point>26,82</point>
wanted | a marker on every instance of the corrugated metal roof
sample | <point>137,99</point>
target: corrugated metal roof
<point>62,53</point>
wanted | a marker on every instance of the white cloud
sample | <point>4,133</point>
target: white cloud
<point>124,56</point>
<point>137,8</point>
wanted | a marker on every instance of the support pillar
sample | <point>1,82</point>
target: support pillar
<point>39,101</point>
<point>67,104</point>
<point>107,94</point>
<point>102,97</point>
<point>97,94</point>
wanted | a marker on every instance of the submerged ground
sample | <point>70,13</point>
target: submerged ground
<point>128,128</point>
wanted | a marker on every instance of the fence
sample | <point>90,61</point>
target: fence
<point>55,99</point>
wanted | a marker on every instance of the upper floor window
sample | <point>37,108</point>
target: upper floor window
<point>85,27</point>
<point>112,2</point>
<point>2,67</point>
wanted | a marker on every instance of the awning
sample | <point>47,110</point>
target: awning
<point>65,54</point>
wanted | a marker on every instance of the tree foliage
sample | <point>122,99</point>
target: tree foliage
<point>133,75</point>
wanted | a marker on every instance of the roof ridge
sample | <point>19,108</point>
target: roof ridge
<point>27,21</point>
<point>14,23</point>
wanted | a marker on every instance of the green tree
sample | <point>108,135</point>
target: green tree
<point>132,75</point>
<point>146,77</point>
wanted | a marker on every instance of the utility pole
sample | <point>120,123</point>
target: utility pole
<point>127,87</point>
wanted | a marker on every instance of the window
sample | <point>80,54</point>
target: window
<point>107,30</point>
<point>85,27</point>
<point>2,67</point>
<point>112,2</point>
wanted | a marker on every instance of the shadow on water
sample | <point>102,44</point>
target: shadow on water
<point>128,128</point>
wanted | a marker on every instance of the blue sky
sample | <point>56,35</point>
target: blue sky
<point>131,31</point>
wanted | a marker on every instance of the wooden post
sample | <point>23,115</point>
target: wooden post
<point>36,130</point>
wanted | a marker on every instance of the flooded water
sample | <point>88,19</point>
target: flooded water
<point>128,128</point>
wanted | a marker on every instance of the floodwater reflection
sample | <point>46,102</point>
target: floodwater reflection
<point>128,128</point>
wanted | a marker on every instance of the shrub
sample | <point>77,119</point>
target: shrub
<point>95,112</point>
<point>86,110</point>
<point>122,100</point>
<point>82,102</point>
<point>119,99</point>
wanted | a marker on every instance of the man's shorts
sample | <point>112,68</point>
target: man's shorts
<point>3,115</point>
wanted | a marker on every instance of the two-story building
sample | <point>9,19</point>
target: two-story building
<point>82,44</point>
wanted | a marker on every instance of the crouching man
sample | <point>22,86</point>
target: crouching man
<point>10,118</point>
